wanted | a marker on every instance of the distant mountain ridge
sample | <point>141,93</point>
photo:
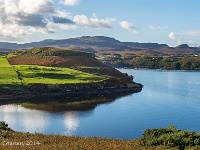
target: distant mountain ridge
<point>85,40</point>
<point>103,44</point>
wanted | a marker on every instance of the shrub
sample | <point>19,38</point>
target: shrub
<point>170,137</point>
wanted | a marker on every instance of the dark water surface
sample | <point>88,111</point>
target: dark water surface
<point>168,98</point>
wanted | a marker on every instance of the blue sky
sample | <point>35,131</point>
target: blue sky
<point>172,22</point>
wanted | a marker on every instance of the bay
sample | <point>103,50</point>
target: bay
<point>168,98</point>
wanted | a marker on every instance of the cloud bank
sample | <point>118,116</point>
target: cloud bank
<point>22,17</point>
<point>19,18</point>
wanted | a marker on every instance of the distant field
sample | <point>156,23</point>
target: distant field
<point>7,73</point>
<point>54,75</point>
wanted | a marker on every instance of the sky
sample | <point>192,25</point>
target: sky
<point>171,22</point>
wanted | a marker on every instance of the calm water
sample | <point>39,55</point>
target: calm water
<point>168,98</point>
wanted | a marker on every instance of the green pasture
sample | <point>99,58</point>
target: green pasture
<point>27,74</point>
<point>8,74</point>
<point>54,75</point>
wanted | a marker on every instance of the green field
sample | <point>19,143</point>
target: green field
<point>8,74</point>
<point>54,75</point>
<point>28,74</point>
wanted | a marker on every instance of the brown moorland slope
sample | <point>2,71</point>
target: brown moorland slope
<point>50,56</point>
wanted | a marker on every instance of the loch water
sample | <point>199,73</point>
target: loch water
<point>168,98</point>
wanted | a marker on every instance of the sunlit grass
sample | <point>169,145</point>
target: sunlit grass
<point>8,74</point>
<point>28,74</point>
<point>54,75</point>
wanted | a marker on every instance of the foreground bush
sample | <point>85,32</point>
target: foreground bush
<point>4,126</point>
<point>171,137</point>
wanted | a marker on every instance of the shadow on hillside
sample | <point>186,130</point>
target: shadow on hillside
<point>55,76</point>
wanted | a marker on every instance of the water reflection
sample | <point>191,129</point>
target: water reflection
<point>11,114</point>
<point>71,122</point>
<point>26,120</point>
<point>51,116</point>
<point>35,121</point>
<point>62,104</point>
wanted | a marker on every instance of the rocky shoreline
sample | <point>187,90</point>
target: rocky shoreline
<point>72,94</point>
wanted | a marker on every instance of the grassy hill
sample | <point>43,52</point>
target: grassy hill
<point>56,57</point>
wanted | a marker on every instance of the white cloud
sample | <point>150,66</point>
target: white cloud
<point>36,6</point>
<point>180,40</point>
<point>176,37</point>
<point>128,26</point>
<point>70,2</point>
<point>192,33</point>
<point>93,22</point>
<point>158,27</point>
<point>81,20</point>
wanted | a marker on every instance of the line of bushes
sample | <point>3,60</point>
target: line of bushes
<point>155,62</point>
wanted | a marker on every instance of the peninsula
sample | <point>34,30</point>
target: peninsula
<point>57,72</point>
